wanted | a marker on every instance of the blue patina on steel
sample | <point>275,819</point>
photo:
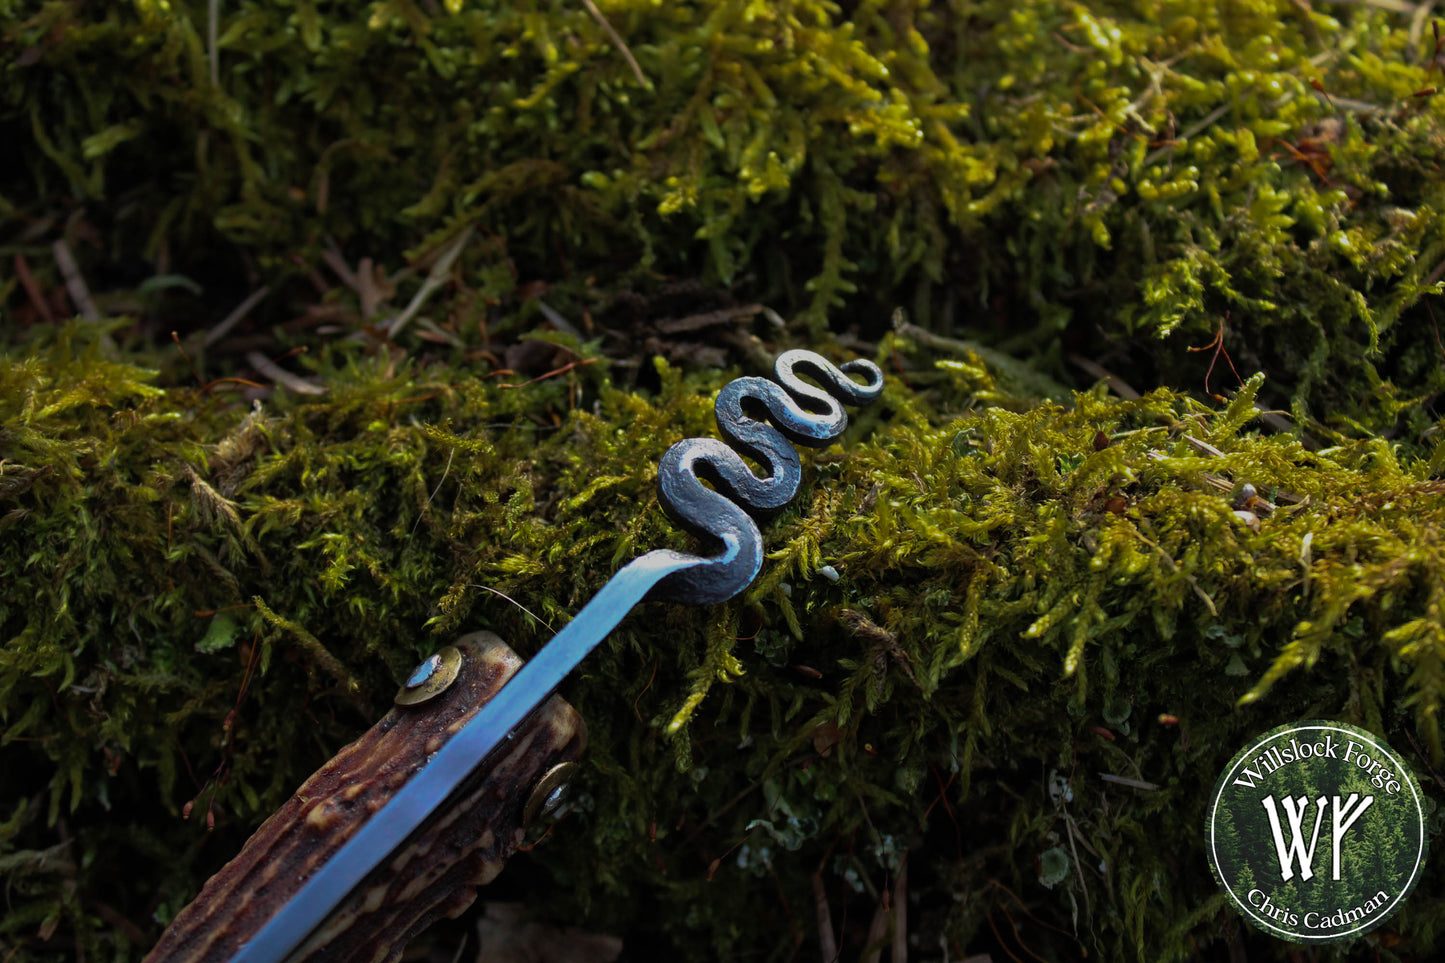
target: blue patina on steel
<point>720,516</point>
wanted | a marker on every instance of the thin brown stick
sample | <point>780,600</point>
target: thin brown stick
<point>1025,907</point>
<point>1208,451</point>
<point>213,27</point>
<point>1436,325</point>
<point>693,322</point>
<point>617,42</point>
<point>1117,384</point>
<point>719,813</point>
<point>207,613</point>
<point>1022,945</point>
<point>113,916</point>
<point>187,359</point>
<point>900,913</point>
<point>331,254</point>
<point>230,381</point>
<point>1218,345</point>
<point>551,374</point>
<point>1188,133</point>
<point>999,936</point>
<point>650,678</point>
<point>877,934</point>
<point>1078,866</point>
<point>236,316</point>
<point>27,281</point>
<point>787,910</point>
<point>942,797</point>
<point>827,942</point>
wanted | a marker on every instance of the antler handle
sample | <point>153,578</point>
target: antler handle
<point>436,872</point>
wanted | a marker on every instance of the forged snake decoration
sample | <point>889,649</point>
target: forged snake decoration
<point>722,516</point>
<point>398,828</point>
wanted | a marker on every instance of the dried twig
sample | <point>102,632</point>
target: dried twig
<point>1117,384</point>
<point>332,256</point>
<point>1126,781</point>
<point>74,283</point>
<point>1218,345</point>
<point>559,320</point>
<point>27,281</point>
<point>877,933</point>
<point>281,376</point>
<point>117,919</point>
<point>438,276</point>
<point>1436,273</point>
<point>900,913</point>
<point>1010,367</point>
<point>885,641</point>
<point>1417,33</point>
<point>695,321</point>
<point>1196,128</point>
<point>211,503</point>
<point>617,42</point>
<point>1278,421</point>
<point>1078,866</point>
<point>1395,6</point>
<point>550,374</point>
<point>213,27</point>
<point>826,940</point>
<point>236,316</point>
<point>1203,447</point>
<point>371,295</point>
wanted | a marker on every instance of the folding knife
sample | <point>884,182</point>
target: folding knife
<point>398,829</point>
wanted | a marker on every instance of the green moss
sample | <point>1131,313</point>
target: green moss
<point>1127,177</point>
<point>1011,585</point>
<point>202,600</point>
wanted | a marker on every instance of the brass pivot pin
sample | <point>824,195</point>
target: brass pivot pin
<point>431,678</point>
<point>549,793</point>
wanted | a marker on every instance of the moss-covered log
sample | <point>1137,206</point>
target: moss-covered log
<point>1015,625</point>
<point>968,621</point>
<point>1119,180</point>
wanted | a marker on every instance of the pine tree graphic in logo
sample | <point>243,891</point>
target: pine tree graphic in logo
<point>1316,832</point>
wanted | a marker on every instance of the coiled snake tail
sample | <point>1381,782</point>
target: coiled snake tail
<point>723,515</point>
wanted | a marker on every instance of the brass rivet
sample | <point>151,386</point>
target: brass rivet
<point>430,679</point>
<point>549,793</point>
